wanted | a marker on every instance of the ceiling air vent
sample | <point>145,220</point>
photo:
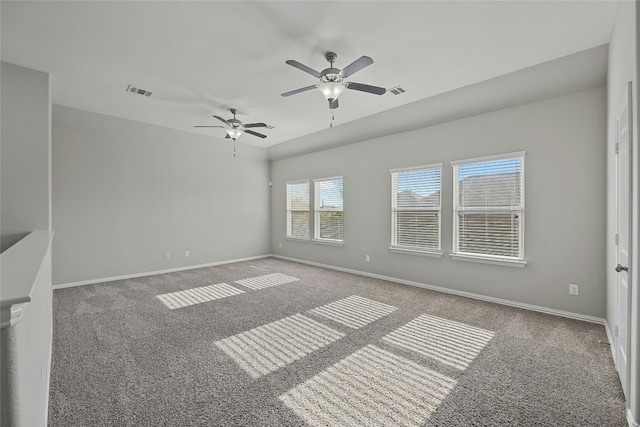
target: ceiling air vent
<point>137,90</point>
<point>398,90</point>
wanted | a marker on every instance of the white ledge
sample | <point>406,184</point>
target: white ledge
<point>297,239</point>
<point>329,242</point>
<point>398,250</point>
<point>21,265</point>
<point>489,260</point>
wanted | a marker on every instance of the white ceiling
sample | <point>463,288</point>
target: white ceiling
<point>200,58</point>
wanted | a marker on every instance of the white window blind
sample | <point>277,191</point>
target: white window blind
<point>298,209</point>
<point>415,208</point>
<point>489,206</point>
<point>329,214</point>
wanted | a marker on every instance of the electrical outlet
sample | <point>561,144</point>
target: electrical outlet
<point>186,254</point>
<point>574,289</point>
<point>167,255</point>
<point>366,258</point>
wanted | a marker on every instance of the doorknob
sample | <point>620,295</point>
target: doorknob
<point>620,268</point>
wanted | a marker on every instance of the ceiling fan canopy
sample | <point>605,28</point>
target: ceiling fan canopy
<point>332,83</point>
<point>235,128</point>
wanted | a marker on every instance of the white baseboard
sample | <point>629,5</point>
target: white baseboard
<point>153,273</point>
<point>531,307</point>
<point>611,341</point>
<point>630,420</point>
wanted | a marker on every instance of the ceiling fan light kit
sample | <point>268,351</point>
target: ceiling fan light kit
<point>332,83</point>
<point>331,91</point>
<point>234,133</point>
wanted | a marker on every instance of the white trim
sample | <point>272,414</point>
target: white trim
<point>302,181</point>
<point>318,208</point>
<point>331,178</point>
<point>489,260</point>
<point>561,313</point>
<point>630,420</point>
<point>612,343</point>
<point>520,211</point>
<point>297,239</point>
<point>26,258</point>
<point>153,273</point>
<point>415,168</point>
<point>10,315</point>
<point>400,250</point>
<point>395,209</point>
<point>329,242</point>
<point>489,158</point>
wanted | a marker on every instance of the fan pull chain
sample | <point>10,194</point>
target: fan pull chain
<point>234,147</point>
<point>333,118</point>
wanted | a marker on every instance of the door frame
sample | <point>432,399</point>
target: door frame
<point>625,104</point>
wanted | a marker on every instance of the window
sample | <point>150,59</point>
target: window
<point>298,210</point>
<point>329,215</point>
<point>488,207</point>
<point>415,209</point>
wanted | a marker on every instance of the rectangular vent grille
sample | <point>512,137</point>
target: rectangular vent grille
<point>137,90</point>
<point>398,90</point>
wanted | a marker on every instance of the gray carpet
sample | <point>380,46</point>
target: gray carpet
<point>294,345</point>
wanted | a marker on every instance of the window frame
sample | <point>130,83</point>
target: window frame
<point>458,255</point>
<point>317,209</point>
<point>289,223</point>
<point>414,250</point>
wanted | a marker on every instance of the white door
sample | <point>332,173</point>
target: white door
<point>623,160</point>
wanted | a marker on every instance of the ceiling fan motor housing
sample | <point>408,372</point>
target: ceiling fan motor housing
<point>331,75</point>
<point>235,123</point>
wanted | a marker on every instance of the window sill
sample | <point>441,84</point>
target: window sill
<point>329,242</point>
<point>399,250</point>
<point>489,260</point>
<point>297,239</point>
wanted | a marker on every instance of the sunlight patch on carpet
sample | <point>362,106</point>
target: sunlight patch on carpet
<point>199,295</point>
<point>452,343</point>
<point>269,347</point>
<point>354,311</point>
<point>369,387</point>
<point>266,281</point>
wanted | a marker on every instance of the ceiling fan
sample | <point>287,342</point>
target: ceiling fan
<point>235,128</point>
<point>332,83</point>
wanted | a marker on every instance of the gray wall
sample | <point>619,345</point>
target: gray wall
<point>623,69</point>
<point>125,193</point>
<point>564,139</point>
<point>26,144</point>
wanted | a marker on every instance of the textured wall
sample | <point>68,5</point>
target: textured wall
<point>125,193</point>
<point>26,145</point>
<point>565,164</point>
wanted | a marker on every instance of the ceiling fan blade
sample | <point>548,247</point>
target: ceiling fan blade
<point>355,66</point>
<point>303,67</point>
<point>333,105</point>
<point>222,120</point>
<point>377,90</point>
<point>208,126</point>
<point>255,125</point>
<point>259,135</point>
<point>302,89</point>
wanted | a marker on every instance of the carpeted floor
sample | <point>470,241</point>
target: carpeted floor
<point>275,343</point>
